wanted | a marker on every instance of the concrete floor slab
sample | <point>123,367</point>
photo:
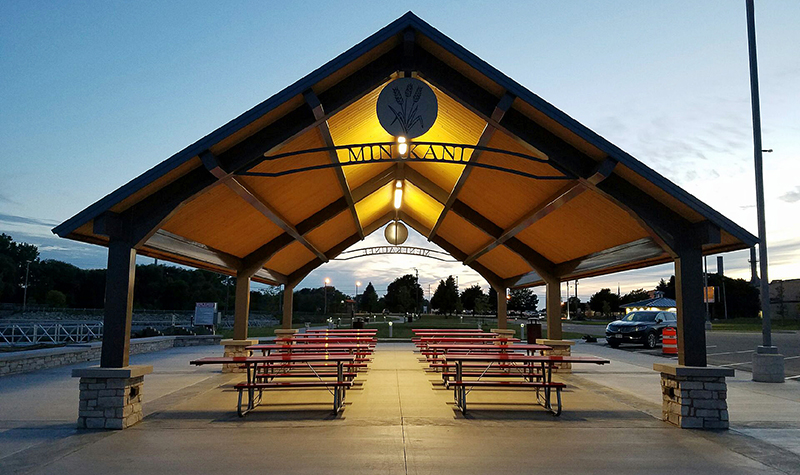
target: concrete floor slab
<point>399,419</point>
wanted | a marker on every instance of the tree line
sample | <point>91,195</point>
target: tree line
<point>162,287</point>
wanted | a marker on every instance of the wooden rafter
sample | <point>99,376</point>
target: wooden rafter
<point>319,112</point>
<point>556,201</point>
<point>454,251</point>
<point>250,197</point>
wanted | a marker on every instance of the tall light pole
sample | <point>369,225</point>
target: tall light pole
<point>358,284</point>
<point>416,291</point>
<point>25,294</point>
<point>327,281</point>
<point>766,361</point>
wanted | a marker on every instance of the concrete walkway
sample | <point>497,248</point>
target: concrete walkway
<point>399,420</point>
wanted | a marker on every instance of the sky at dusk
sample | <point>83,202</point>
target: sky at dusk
<point>95,93</point>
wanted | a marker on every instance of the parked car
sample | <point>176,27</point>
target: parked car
<point>643,327</point>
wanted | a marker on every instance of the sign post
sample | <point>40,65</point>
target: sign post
<point>205,314</point>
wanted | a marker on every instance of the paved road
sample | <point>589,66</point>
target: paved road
<point>731,349</point>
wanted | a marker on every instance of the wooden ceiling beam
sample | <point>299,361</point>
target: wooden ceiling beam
<point>374,184</point>
<point>178,249</point>
<point>549,205</point>
<point>251,198</point>
<point>295,277</point>
<point>319,113</point>
<point>538,262</point>
<point>254,261</point>
<point>618,258</point>
<point>497,115</point>
<point>492,278</point>
<point>558,199</point>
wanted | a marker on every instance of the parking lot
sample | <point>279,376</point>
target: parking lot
<point>725,348</point>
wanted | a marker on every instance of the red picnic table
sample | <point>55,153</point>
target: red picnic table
<point>251,363</point>
<point>328,339</point>
<point>445,348</point>
<point>460,390</point>
<point>427,341</point>
<point>342,330</point>
<point>315,347</point>
<point>433,330</point>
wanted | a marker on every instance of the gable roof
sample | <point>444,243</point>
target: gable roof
<point>506,228</point>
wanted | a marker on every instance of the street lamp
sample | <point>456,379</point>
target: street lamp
<point>25,295</point>
<point>327,281</point>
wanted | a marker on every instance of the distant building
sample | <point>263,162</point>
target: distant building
<point>788,305</point>
<point>656,302</point>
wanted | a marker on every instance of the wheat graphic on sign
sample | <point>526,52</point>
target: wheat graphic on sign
<point>406,112</point>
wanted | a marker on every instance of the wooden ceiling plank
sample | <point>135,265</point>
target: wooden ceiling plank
<point>497,115</point>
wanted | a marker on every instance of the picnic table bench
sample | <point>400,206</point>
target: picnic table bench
<point>337,388</point>
<point>543,387</point>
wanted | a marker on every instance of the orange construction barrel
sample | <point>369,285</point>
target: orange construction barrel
<point>669,341</point>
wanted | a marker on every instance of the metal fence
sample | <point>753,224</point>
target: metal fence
<point>32,333</point>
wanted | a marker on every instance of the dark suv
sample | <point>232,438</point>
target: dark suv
<point>640,327</point>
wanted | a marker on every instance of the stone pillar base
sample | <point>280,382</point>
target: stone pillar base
<point>110,398</point>
<point>236,348</point>
<point>285,332</point>
<point>503,332</point>
<point>768,368</point>
<point>694,397</point>
<point>560,348</point>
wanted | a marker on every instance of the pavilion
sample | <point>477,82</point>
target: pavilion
<point>502,180</point>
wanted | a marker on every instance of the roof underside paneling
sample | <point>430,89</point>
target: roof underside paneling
<point>222,220</point>
<point>584,225</point>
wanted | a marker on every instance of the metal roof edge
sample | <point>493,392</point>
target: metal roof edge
<point>234,125</point>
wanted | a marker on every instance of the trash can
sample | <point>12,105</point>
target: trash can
<point>533,330</point>
<point>410,318</point>
<point>358,323</point>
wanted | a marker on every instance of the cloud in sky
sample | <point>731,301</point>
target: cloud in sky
<point>792,196</point>
<point>13,219</point>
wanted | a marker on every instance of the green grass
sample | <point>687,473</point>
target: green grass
<point>404,330</point>
<point>753,325</point>
<point>583,322</point>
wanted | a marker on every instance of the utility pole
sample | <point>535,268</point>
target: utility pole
<point>567,282</point>
<point>327,281</point>
<point>768,365</point>
<point>416,291</point>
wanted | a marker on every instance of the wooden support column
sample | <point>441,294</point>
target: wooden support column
<point>691,310</point>
<point>242,306</point>
<point>553,298</point>
<point>119,304</point>
<point>288,303</point>
<point>502,308</point>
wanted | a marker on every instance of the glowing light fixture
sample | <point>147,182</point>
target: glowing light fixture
<point>398,194</point>
<point>402,146</point>
<point>327,280</point>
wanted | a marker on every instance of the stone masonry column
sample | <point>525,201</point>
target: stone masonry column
<point>694,397</point>
<point>559,348</point>
<point>236,348</point>
<point>110,398</point>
